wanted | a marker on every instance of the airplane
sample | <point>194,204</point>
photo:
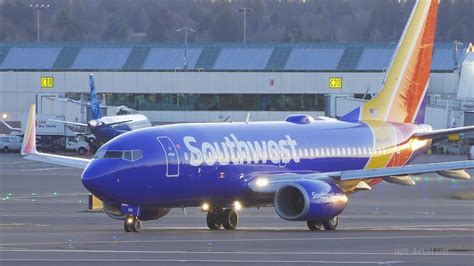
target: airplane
<point>305,168</point>
<point>105,128</point>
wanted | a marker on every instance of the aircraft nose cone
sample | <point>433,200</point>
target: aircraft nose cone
<point>91,180</point>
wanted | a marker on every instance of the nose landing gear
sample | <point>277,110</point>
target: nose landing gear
<point>132,224</point>
<point>217,218</point>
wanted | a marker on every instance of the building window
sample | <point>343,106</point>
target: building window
<point>214,102</point>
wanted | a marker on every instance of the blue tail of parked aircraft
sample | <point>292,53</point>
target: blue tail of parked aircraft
<point>94,102</point>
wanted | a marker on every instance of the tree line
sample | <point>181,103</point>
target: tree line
<point>221,21</point>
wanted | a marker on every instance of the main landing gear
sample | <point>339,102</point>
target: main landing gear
<point>132,224</point>
<point>217,218</point>
<point>329,225</point>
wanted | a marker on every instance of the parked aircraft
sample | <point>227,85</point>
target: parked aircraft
<point>305,168</point>
<point>106,128</point>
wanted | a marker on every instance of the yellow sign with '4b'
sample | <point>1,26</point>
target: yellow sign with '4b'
<point>335,83</point>
<point>47,82</point>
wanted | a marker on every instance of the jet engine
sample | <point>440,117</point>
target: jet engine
<point>309,200</point>
<point>113,210</point>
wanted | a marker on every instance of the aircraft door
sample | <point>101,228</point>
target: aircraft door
<point>171,156</point>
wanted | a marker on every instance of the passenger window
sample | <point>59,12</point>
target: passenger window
<point>5,139</point>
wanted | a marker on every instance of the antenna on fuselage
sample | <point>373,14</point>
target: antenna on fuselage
<point>247,120</point>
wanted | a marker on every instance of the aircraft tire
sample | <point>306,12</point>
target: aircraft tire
<point>332,224</point>
<point>213,219</point>
<point>230,219</point>
<point>126,227</point>
<point>81,151</point>
<point>136,226</point>
<point>314,225</point>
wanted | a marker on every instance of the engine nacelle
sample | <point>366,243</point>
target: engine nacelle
<point>113,210</point>
<point>309,200</point>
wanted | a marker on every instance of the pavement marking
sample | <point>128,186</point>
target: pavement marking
<point>103,251</point>
<point>211,261</point>
<point>238,240</point>
<point>37,169</point>
<point>47,195</point>
<point>20,162</point>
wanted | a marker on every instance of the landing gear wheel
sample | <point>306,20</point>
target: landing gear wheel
<point>137,225</point>
<point>213,219</point>
<point>314,225</point>
<point>230,219</point>
<point>126,227</point>
<point>331,225</point>
<point>132,224</point>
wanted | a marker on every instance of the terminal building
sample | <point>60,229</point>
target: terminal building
<point>221,81</point>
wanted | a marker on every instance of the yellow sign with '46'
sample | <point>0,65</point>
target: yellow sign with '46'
<point>47,82</point>
<point>335,83</point>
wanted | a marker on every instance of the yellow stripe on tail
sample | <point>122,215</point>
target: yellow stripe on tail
<point>406,81</point>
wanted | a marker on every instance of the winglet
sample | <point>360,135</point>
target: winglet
<point>29,139</point>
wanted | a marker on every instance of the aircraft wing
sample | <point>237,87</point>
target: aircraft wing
<point>58,160</point>
<point>443,132</point>
<point>28,148</point>
<point>400,175</point>
<point>70,123</point>
<point>119,122</point>
<point>10,127</point>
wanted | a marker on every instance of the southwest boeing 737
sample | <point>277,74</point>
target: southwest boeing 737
<point>305,168</point>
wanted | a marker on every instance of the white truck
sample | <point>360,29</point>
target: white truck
<point>53,136</point>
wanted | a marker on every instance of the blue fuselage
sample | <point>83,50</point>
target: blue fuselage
<point>187,164</point>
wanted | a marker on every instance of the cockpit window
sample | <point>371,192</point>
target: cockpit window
<point>99,154</point>
<point>113,154</point>
<point>127,155</point>
<point>137,155</point>
<point>130,155</point>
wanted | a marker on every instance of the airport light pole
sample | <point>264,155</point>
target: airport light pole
<point>186,30</point>
<point>245,10</point>
<point>38,8</point>
<point>456,44</point>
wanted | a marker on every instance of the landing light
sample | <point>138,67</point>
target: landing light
<point>261,182</point>
<point>130,220</point>
<point>237,205</point>
<point>4,116</point>
<point>205,207</point>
